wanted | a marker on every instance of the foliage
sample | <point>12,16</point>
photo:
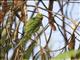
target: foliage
<point>24,34</point>
<point>66,55</point>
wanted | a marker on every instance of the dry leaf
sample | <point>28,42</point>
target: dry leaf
<point>1,16</point>
<point>17,2</point>
<point>71,44</point>
<point>5,6</point>
<point>52,26</point>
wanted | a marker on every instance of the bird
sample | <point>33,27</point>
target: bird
<point>31,26</point>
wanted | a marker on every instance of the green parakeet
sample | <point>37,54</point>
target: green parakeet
<point>32,25</point>
<point>30,28</point>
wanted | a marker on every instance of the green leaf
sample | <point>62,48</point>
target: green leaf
<point>65,55</point>
<point>4,33</point>
<point>29,51</point>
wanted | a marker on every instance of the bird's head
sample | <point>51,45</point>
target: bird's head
<point>39,16</point>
